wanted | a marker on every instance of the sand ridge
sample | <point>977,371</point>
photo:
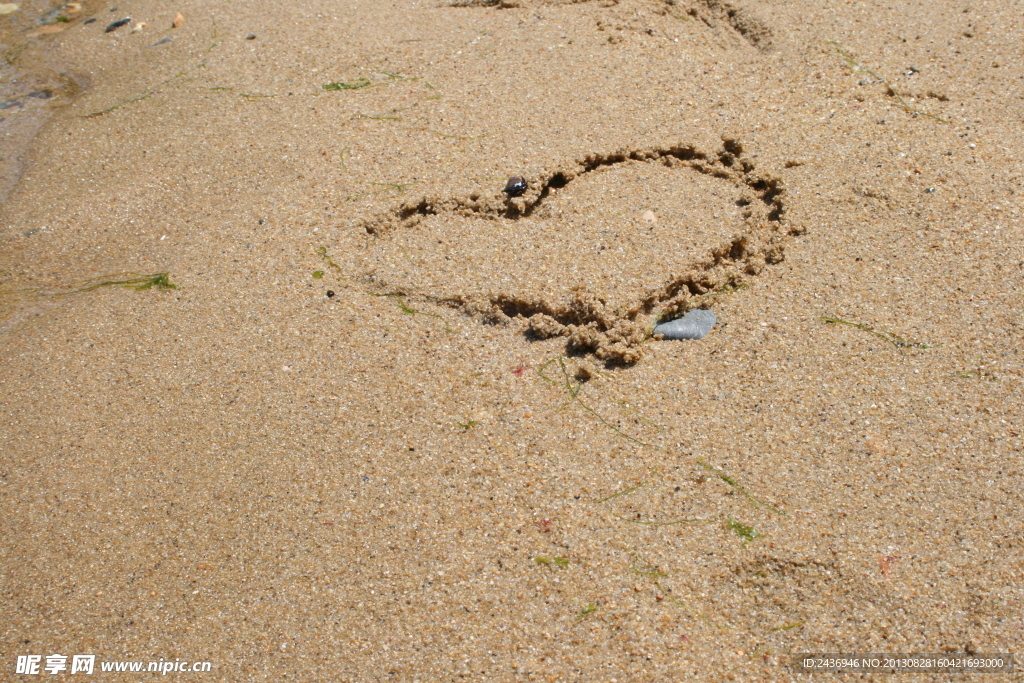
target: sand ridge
<point>551,281</point>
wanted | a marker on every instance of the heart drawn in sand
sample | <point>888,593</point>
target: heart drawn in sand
<point>595,250</point>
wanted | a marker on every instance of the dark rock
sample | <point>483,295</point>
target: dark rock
<point>113,26</point>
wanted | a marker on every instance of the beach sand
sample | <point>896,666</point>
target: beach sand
<point>393,424</point>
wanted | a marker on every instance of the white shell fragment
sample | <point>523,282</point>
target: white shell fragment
<point>694,325</point>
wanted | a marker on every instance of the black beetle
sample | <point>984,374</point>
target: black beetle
<point>515,186</point>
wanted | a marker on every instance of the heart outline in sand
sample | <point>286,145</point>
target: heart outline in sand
<point>613,334</point>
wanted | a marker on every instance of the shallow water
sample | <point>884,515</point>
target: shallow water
<point>27,95</point>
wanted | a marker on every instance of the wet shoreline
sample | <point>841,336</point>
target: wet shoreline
<point>31,92</point>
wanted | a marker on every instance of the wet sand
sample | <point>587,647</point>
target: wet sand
<point>393,424</point>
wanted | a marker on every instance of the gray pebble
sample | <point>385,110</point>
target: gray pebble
<point>694,325</point>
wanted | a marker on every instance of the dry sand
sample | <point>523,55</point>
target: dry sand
<point>411,479</point>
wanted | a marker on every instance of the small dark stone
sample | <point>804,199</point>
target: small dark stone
<point>41,94</point>
<point>330,293</point>
<point>251,36</point>
<point>88,21</point>
<point>117,24</point>
<point>515,186</point>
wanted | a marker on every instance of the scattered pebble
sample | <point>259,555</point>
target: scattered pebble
<point>139,26</point>
<point>178,20</point>
<point>650,217</point>
<point>161,42</point>
<point>330,293</point>
<point>694,325</point>
<point>7,8</point>
<point>118,24</point>
<point>515,186</point>
<point>251,36</point>
<point>88,21</point>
